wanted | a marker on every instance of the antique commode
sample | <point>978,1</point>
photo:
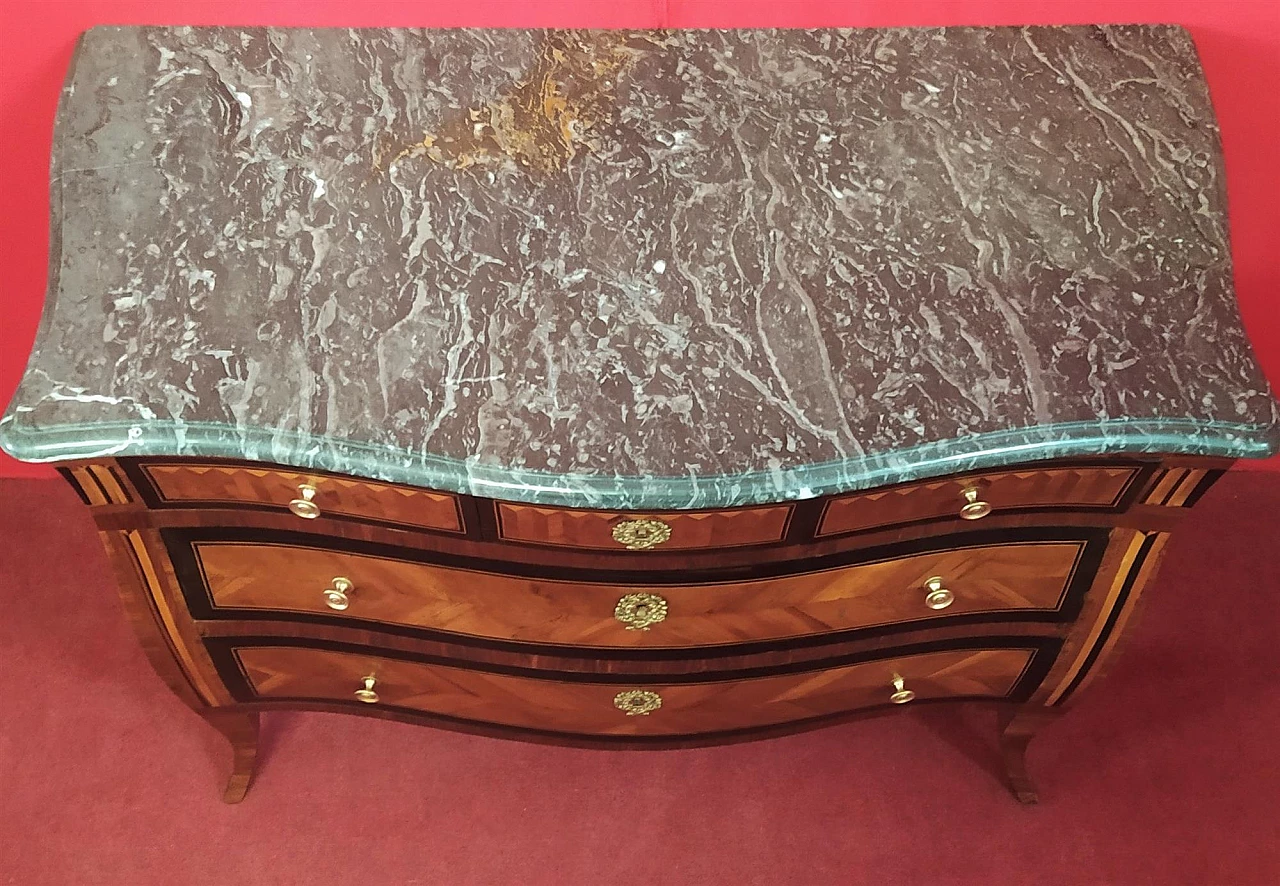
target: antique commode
<point>636,388</point>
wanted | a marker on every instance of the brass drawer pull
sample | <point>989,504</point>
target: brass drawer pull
<point>640,535</point>
<point>303,506</point>
<point>640,611</point>
<point>974,507</point>
<point>637,702</point>
<point>901,694</point>
<point>938,597</point>
<point>367,695</point>
<point>336,596</point>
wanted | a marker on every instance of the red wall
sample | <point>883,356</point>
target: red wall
<point>1239,42</point>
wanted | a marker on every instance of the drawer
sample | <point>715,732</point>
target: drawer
<point>301,673</point>
<point>306,495</point>
<point>1035,579</point>
<point>624,531</point>
<point>974,496</point>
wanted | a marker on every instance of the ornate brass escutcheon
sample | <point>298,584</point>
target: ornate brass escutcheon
<point>637,702</point>
<point>640,610</point>
<point>641,534</point>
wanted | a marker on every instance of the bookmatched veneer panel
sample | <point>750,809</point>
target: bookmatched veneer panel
<point>302,674</point>
<point>973,497</point>
<point>308,495</point>
<point>1022,578</point>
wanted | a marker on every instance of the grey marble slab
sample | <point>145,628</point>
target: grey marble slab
<point>639,268</point>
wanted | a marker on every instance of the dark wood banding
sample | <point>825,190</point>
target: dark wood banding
<point>1130,580</point>
<point>74,482</point>
<point>530,664</point>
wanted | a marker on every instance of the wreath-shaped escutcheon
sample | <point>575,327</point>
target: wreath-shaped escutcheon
<point>640,535</point>
<point>637,702</point>
<point>640,610</point>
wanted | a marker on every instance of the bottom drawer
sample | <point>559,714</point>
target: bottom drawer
<point>302,673</point>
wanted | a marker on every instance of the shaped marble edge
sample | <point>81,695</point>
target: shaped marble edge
<point>1015,446</point>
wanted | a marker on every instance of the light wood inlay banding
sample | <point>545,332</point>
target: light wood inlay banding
<point>89,486</point>
<point>1103,629</point>
<point>107,479</point>
<point>1119,621</point>
<point>189,666</point>
<point>1188,485</point>
<point>1169,479</point>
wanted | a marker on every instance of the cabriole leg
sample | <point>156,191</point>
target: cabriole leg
<point>241,730</point>
<point>1017,727</point>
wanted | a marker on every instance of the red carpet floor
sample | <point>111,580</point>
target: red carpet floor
<point>1168,772</point>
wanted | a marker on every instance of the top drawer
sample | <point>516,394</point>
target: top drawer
<point>974,496</point>
<point>306,495</point>
<point>621,531</point>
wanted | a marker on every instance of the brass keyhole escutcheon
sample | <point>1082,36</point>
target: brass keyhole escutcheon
<point>641,534</point>
<point>637,702</point>
<point>640,611</point>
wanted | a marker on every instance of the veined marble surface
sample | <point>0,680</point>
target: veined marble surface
<point>639,268</point>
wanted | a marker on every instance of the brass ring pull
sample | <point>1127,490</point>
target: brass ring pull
<point>367,695</point>
<point>641,534</point>
<point>901,694</point>
<point>637,702</point>
<point>640,611</point>
<point>938,597</point>
<point>304,506</point>
<point>974,508</point>
<point>336,595</point>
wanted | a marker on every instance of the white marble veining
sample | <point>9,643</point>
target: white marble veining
<point>639,268</point>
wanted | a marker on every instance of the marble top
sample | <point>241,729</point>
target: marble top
<point>639,268</point>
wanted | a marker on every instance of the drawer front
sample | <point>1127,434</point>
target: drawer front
<point>292,672</point>
<point>666,531</point>
<point>1005,578</point>
<point>973,497</point>
<point>222,485</point>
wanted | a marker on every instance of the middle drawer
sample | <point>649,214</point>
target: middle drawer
<point>1037,579</point>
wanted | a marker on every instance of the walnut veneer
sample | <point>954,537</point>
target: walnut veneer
<point>1007,587</point>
